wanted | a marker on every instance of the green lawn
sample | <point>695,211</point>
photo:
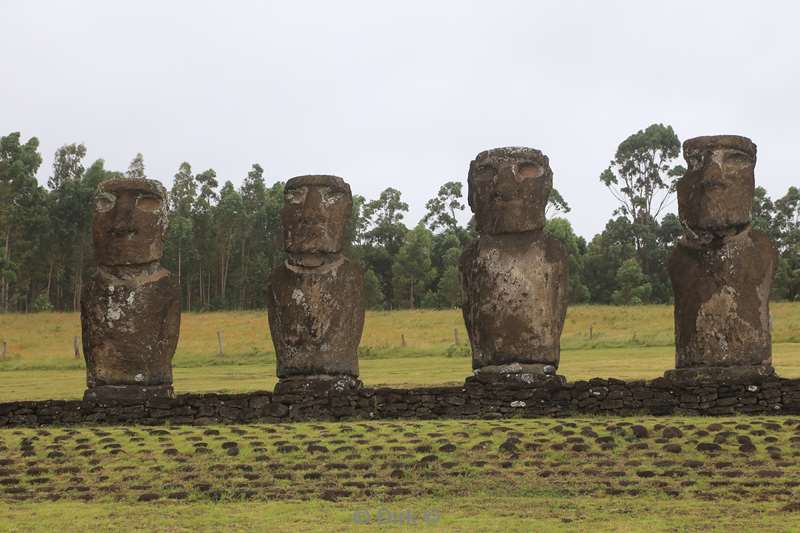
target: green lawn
<point>459,514</point>
<point>586,473</point>
<point>460,475</point>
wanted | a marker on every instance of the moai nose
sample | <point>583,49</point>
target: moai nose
<point>506,183</point>
<point>712,173</point>
<point>123,215</point>
<point>312,204</point>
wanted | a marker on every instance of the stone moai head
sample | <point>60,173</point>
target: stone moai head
<point>130,221</point>
<point>315,212</point>
<point>508,189</point>
<point>716,192</point>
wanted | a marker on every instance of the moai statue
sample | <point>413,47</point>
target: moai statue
<point>130,310</point>
<point>514,275</point>
<point>722,268</point>
<point>315,298</point>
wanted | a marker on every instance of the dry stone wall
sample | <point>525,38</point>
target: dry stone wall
<point>611,397</point>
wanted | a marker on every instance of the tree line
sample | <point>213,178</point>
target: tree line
<point>223,241</point>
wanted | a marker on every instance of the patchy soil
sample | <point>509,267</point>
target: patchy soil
<point>741,458</point>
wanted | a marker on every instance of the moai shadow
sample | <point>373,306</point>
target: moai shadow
<point>315,298</point>
<point>722,269</point>
<point>130,310</point>
<point>514,275</point>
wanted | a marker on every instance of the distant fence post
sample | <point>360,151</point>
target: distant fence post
<point>76,348</point>
<point>3,349</point>
<point>402,340</point>
<point>221,343</point>
<point>456,340</point>
<point>590,332</point>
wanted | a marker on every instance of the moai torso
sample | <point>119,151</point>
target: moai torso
<point>130,327</point>
<point>130,310</point>
<point>722,269</point>
<point>316,300</point>
<point>516,299</point>
<point>316,318</point>
<point>514,276</point>
<point>722,301</point>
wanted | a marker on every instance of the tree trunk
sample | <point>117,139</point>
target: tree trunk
<point>201,282</point>
<point>3,281</point>
<point>49,280</point>
<point>79,275</point>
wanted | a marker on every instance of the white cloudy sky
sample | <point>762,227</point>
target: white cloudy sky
<point>399,94</point>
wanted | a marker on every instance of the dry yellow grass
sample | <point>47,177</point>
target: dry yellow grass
<point>626,343</point>
<point>48,337</point>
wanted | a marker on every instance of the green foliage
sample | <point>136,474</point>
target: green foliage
<point>412,269</point>
<point>42,304</point>
<point>372,291</point>
<point>556,203</point>
<point>642,175</point>
<point>633,286</point>
<point>460,350</point>
<point>449,292</point>
<point>223,242</point>
<point>780,220</point>
<point>442,209</point>
<point>561,229</point>
<point>136,168</point>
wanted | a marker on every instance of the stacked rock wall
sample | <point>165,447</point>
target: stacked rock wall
<point>594,397</point>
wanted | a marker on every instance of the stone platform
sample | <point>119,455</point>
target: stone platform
<point>611,397</point>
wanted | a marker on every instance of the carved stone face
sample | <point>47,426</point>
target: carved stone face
<point>130,221</point>
<point>315,212</point>
<point>717,190</point>
<point>508,189</point>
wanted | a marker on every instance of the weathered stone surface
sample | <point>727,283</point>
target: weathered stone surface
<point>716,193</point>
<point>549,398</point>
<point>129,222</point>
<point>309,385</point>
<point>315,299</point>
<point>722,269</point>
<point>130,309</point>
<point>514,276</point>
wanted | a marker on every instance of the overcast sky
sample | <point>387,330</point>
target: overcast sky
<point>399,94</point>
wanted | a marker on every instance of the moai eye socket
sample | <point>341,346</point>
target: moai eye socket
<point>330,196</point>
<point>694,160</point>
<point>737,160</point>
<point>104,202</point>
<point>530,170</point>
<point>296,196</point>
<point>486,170</point>
<point>148,203</point>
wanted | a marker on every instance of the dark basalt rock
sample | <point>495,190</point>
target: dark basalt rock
<point>514,276</point>
<point>722,269</point>
<point>315,299</point>
<point>130,309</point>
<point>548,398</point>
<point>317,385</point>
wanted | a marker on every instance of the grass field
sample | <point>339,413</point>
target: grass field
<point>598,474</point>
<point>625,342</point>
<point>577,474</point>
